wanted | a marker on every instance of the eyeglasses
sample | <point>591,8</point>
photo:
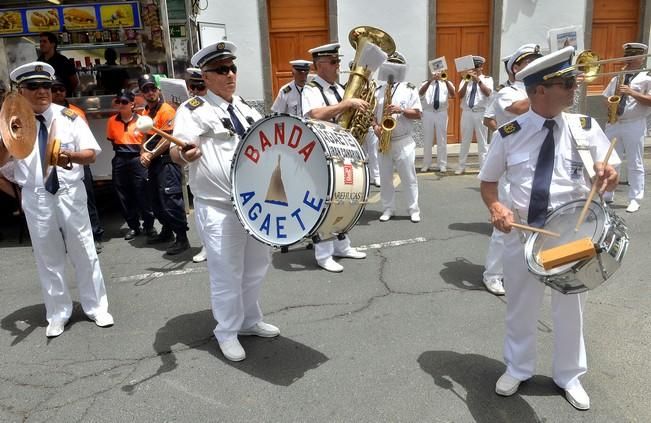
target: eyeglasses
<point>33,86</point>
<point>124,102</point>
<point>58,88</point>
<point>148,88</point>
<point>567,83</point>
<point>198,87</point>
<point>222,70</point>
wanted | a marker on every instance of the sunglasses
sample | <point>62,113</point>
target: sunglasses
<point>33,86</point>
<point>58,88</point>
<point>302,70</point>
<point>124,102</point>
<point>197,87</point>
<point>567,83</point>
<point>148,88</point>
<point>223,70</point>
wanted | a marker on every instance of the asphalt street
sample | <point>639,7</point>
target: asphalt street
<point>408,334</point>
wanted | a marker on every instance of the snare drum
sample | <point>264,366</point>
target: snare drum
<point>294,178</point>
<point>606,230</point>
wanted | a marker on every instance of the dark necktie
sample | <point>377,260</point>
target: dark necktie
<point>239,129</point>
<point>334,90</point>
<point>436,96</point>
<point>473,94</point>
<point>622,101</point>
<point>52,181</point>
<point>542,179</point>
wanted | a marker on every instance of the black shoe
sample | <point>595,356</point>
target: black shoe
<point>163,236</point>
<point>178,247</point>
<point>98,247</point>
<point>151,234</point>
<point>131,234</point>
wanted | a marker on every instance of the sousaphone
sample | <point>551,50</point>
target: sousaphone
<point>17,125</point>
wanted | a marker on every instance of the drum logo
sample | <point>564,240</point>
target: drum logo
<point>348,174</point>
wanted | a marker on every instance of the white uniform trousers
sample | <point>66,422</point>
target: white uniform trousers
<point>630,142</point>
<point>237,265</point>
<point>435,124</point>
<point>493,268</point>
<point>472,122</point>
<point>524,294</point>
<point>370,148</point>
<point>58,226</point>
<point>336,247</point>
<point>402,155</point>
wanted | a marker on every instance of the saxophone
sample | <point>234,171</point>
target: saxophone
<point>614,100</point>
<point>388,122</point>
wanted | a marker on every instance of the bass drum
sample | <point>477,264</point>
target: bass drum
<point>294,178</point>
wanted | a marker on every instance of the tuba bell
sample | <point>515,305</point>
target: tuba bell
<point>360,84</point>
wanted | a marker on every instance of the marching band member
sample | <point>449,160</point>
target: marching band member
<point>164,175</point>
<point>473,105</point>
<point>536,153</point>
<point>289,97</point>
<point>322,99</point>
<point>510,102</point>
<point>434,95</point>
<point>405,103</point>
<point>630,128</point>
<point>237,264</point>
<point>55,204</point>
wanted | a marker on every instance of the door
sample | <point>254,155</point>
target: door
<point>294,28</point>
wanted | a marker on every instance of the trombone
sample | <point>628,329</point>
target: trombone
<point>589,63</point>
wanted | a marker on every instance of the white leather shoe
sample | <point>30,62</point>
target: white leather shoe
<point>352,253</point>
<point>103,320</point>
<point>578,397</point>
<point>633,206</point>
<point>507,385</point>
<point>388,214</point>
<point>232,350</point>
<point>55,328</point>
<point>443,169</point>
<point>424,169</point>
<point>415,217</point>
<point>201,256</point>
<point>262,329</point>
<point>376,182</point>
<point>330,265</point>
<point>494,286</point>
<point>459,171</point>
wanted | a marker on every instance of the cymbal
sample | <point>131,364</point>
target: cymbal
<point>17,125</point>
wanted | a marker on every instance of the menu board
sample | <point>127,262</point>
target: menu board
<point>26,21</point>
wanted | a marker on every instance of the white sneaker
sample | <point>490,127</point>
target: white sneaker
<point>330,265</point>
<point>201,256</point>
<point>633,206</point>
<point>494,286</point>
<point>459,171</point>
<point>424,169</point>
<point>262,329</point>
<point>55,328</point>
<point>507,385</point>
<point>443,169</point>
<point>388,214</point>
<point>103,320</point>
<point>352,253</point>
<point>578,397</point>
<point>415,217</point>
<point>376,182</point>
<point>232,350</point>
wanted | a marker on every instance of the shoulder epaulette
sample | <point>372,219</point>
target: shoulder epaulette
<point>586,122</point>
<point>287,89</point>
<point>314,84</point>
<point>194,102</point>
<point>410,85</point>
<point>69,113</point>
<point>244,101</point>
<point>509,128</point>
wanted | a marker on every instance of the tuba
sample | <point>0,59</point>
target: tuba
<point>360,84</point>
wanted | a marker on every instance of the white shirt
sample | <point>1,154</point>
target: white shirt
<point>405,96</point>
<point>633,110</point>
<point>516,156</point>
<point>505,98</point>
<point>207,126</point>
<point>289,100</point>
<point>427,100</point>
<point>312,98</point>
<point>481,100</point>
<point>74,134</point>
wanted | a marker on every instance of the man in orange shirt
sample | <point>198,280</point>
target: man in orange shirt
<point>129,175</point>
<point>164,175</point>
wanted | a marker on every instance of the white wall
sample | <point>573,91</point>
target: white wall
<point>406,23</point>
<point>242,28</point>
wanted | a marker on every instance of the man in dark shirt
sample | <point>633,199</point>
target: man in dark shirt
<point>112,78</point>
<point>62,66</point>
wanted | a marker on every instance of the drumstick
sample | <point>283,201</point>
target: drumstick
<point>145,124</point>
<point>593,191</point>
<point>534,229</point>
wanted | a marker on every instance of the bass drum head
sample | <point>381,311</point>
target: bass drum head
<point>280,180</point>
